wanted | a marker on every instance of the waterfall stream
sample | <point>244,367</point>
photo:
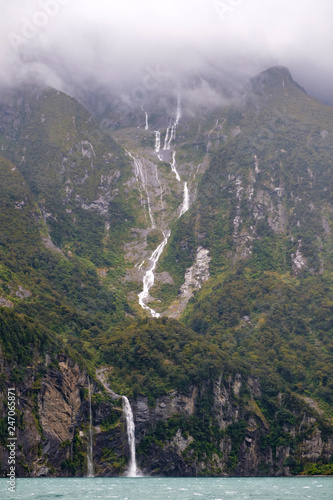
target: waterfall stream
<point>157,141</point>
<point>132,467</point>
<point>173,166</point>
<point>186,201</point>
<point>90,461</point>
<point>170,135</point>
<point>149,277</point>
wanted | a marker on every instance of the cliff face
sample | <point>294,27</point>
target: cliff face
<point>174,437</point>
<point>53,424</point>
<point>221,223</point>
<point>243,442</point>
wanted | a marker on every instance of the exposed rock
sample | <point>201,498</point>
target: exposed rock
<point>195,276</point>
<point>48,243</point>
<point>164,278</point>
<point>298,260</point>
<point>5,303</point>
<point>21,293</point>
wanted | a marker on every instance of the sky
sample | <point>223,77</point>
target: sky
<point>87,44</point>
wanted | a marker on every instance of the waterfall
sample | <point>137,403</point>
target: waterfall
<point>173,166</point>
<point>132,467</point>
<point>149,277</point>
<point>146,115</point>
<point>157,141</point>
<point>90,462</point>
<point>166,138</point>
<point>186,201</point>
<point>170,135</point>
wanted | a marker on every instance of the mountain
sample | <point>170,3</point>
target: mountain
<point>179,254</point>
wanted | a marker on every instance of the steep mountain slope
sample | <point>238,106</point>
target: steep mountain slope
<point>220,218</point>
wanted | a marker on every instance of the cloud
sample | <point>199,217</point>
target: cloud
<point>77,45</point>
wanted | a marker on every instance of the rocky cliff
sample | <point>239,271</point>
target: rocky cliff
<point>173,435</point>
<point>181,257</point>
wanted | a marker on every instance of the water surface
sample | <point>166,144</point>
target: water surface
<point>145,488</point>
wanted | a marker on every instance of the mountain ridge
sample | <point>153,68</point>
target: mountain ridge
<point>241,355</point>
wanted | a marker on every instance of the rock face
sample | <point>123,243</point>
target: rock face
<point>195,276</point>
<point>245,445</point>
<point>52,425</point>
<point>172,436</point>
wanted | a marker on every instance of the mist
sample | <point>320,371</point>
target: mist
<point>118,49</point>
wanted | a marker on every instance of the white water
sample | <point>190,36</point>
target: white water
<point>186,198</point>
<point>157,141</point>
<point>158,144</point>
<point>146,115</point>
<point>140,173</point>
<point>186,201</point>
<point>172,137</point>
<point>173,166</point>
<point>90,462</point>
<point>149,277</point>
<point>166,141</point>
<point>132,467</point>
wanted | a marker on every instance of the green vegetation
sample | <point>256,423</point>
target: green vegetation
<point>152,357</point>
<point>68,207</point>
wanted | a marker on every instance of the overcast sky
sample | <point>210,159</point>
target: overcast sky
<point>77,42</point>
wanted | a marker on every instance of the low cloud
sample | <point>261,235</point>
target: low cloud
<point>81,46</point>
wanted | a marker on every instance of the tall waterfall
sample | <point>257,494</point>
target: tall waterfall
<point>166,141</point>
<point>157,141</point>
<point>146,115</point>
<point>132,467</point>
<point>186,201</point>
<point>170,135</point>
<point>90,464</point>
<point>173,166</point>
<point>149,277</point>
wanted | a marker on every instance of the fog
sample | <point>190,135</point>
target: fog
<point>84,46</point>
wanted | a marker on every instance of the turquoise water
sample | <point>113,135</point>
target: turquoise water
<point>171,488</point>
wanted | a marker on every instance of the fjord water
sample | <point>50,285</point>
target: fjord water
<point>317,488</point>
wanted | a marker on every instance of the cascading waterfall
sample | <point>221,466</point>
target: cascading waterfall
<point>132,467</point>
<point>149,277</point>
<point>172,137</point>
<point>166,141</point>
<point>146,115</point>
<point>158,144</point>
<point>186,198</point>
<point>90,462</point>
<point>186,201</point>
<point>173,166</point>
<point>157,141</point>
